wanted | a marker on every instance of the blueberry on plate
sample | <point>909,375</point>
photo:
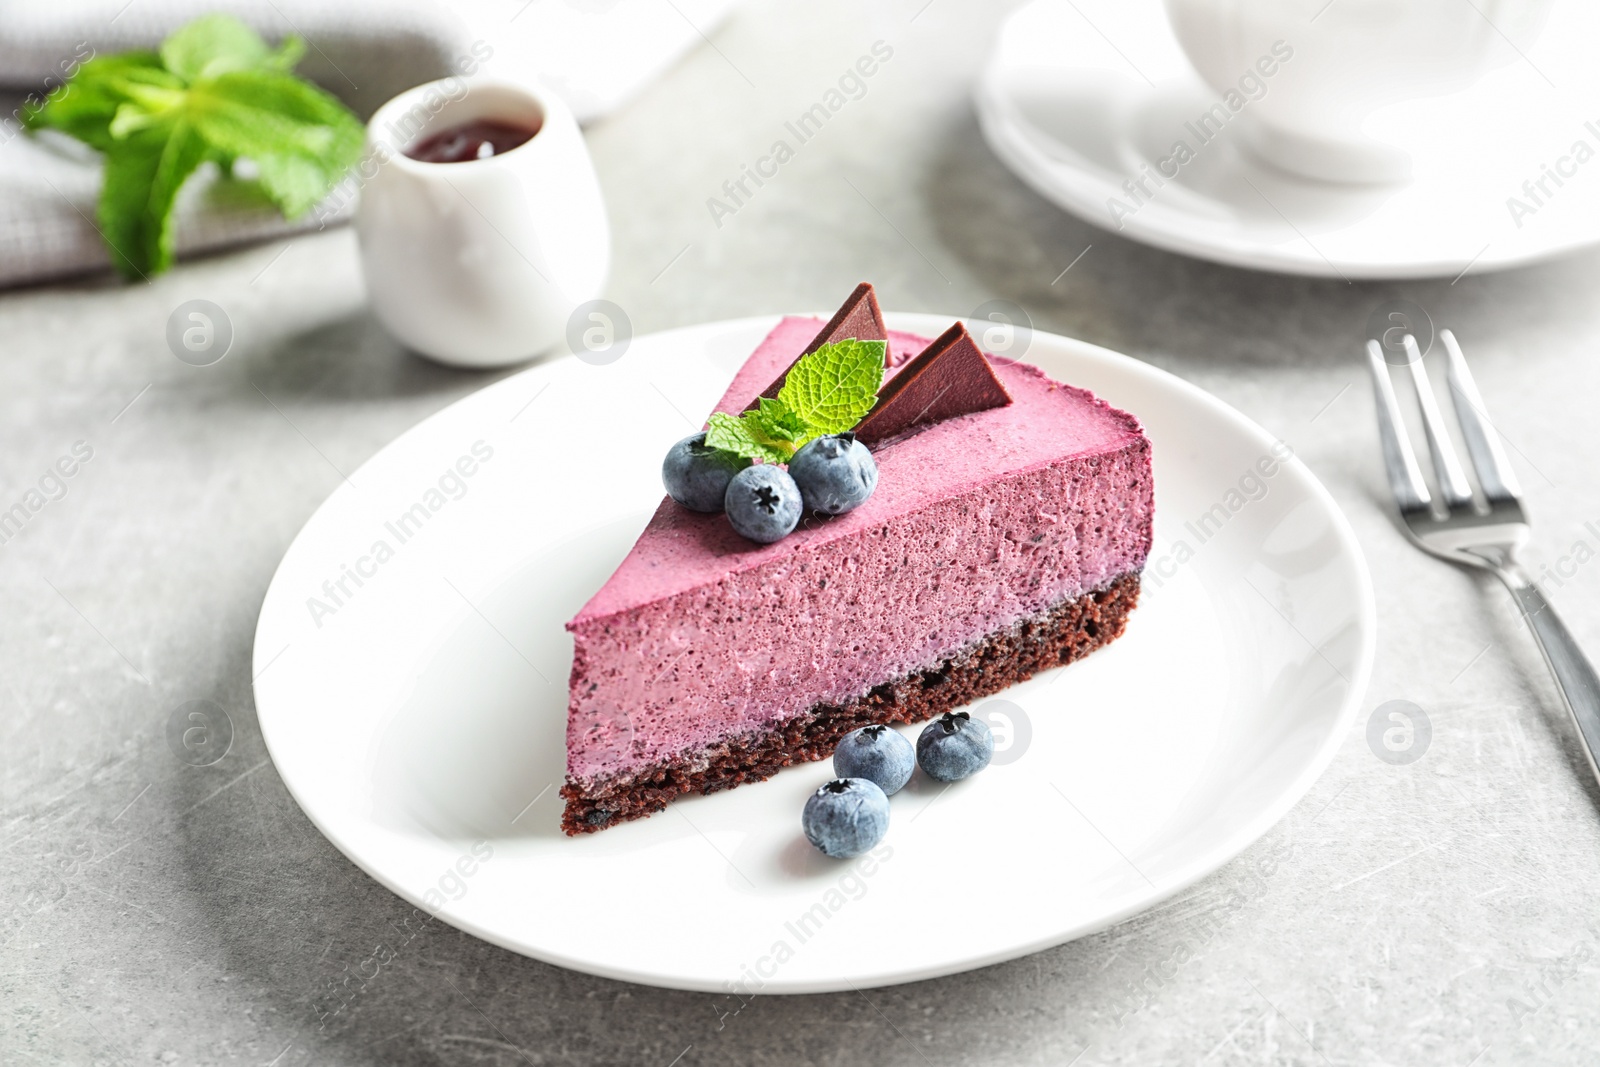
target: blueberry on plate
<point>697,476</point>
<point>835,473</point>
<point>877,754</point>
<point>846,817</point>
<point>954,746</point>
<point>763,503</point>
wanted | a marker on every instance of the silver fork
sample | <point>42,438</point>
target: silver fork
<point>1483,533</point>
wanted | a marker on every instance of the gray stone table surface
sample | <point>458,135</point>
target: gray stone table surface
<point>1440,912</point>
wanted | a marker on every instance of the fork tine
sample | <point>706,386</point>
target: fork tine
<point>1452,476</point>
<point>1399,461</point>
<point>1483,444</point>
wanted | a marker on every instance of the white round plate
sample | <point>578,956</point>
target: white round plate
<point>1080,96</point>
<point>419,717</point>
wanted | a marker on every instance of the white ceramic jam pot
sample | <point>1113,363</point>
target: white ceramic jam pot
<point>479,263</point>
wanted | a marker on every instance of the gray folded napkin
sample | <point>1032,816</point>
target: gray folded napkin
<point>362,51</point>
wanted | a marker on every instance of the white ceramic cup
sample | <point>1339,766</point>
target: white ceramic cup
<point>1346,59</point>
<point>480,264</point>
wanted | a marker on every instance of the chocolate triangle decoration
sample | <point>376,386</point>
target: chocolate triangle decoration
<point>858,318</point>
<point>950,377</point>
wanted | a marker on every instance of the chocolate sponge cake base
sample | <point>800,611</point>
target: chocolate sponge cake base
<point>1067,632</point>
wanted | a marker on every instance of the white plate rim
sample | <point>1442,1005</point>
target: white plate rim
<point>1246,833</point>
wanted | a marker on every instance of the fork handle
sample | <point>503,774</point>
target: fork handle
<point>1575,675</point>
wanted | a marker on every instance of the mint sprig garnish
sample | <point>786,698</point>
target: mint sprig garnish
<point>832,388</point>
<point>215,92</point>
<point>772,432</point>
<point>826,392</point>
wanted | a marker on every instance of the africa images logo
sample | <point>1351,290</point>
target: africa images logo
<point>851,85</point>
<point>1538,192</point>
<point>1204,128</point>
<point>51,487</point>
<point>451,485</point>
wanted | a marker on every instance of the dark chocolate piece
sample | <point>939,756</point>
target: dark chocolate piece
<point>1067,632</point>
<point>951,377</point>
<point>859,317</point>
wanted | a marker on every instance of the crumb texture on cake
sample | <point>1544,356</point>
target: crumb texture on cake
<point>999,660</point>
<point>830,620</point>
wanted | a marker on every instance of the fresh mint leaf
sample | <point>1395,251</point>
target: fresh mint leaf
<point>84,107</point>
<point>742,437</point>
<point>826,391</point>
<point>216,92</point>
<point>775,422</point>
<point>143,175</point>
<point>213,45</point>
<point>301,139</point>
<point>832,389</point>
<point>771,432</point>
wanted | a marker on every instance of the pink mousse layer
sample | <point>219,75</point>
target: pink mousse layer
<point>976,524</point>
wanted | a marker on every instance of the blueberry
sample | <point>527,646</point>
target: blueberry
<point>877,754</point>
<point>696,476</point>
<point>954,746</point>
<point>763,503</point>
<point>846,817</point>
<point>834,473</point>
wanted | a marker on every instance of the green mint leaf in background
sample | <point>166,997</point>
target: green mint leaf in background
<point>301,139</point>
<point>213,45</point>
<point>142,179</point>
<point>832,389</point>
<point>740,436</point>
<point>85,107</point>
<point>217,93</point>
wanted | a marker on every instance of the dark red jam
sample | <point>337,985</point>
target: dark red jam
<point>482,139</point>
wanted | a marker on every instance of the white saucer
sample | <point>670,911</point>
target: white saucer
<point>1079,95</point>
<point>421,723</point>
